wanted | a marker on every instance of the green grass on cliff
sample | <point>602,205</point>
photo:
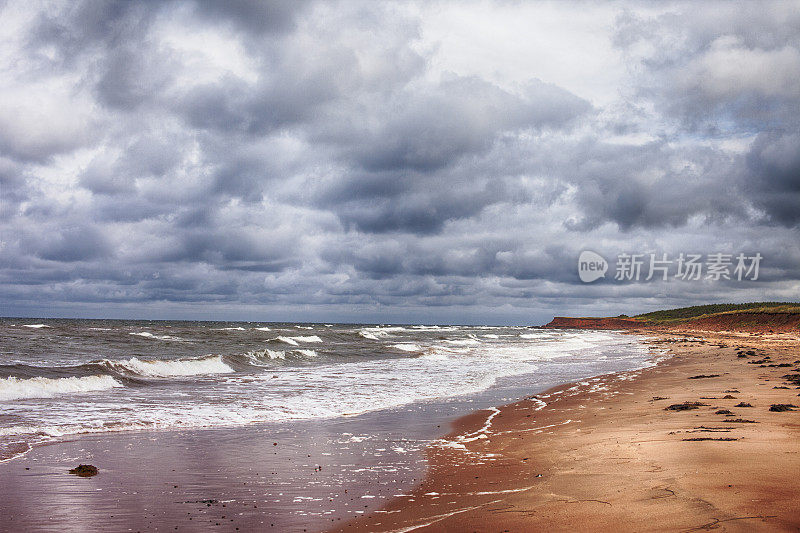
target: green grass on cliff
<point>697,311</point>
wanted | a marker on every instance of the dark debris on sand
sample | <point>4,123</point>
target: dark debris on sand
<point>704,376</point>
<point>792,378</point>
<point>711,438</point>
<point>780,407</point>
<point>685,406</point>
<point>85,470</point>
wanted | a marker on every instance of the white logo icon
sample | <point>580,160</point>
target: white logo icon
<point>591,266</point>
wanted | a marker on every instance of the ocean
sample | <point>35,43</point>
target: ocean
<point>365,398</point>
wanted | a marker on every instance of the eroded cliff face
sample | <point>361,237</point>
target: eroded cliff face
<point>745,322</point>
<point>594,323</point>
<point>751,322</point>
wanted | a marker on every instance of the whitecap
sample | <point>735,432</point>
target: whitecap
<point>379,332</point>
<point>16,389</point>
<point>406,347</point>
<point>148,335</point>
<point>256,357</point>
<point>462,342</point>
<point>308,338</point>
<point>175,367</point>
<point>368,335</point>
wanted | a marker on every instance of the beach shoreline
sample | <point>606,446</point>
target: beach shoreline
<point>303,474</point>
<point>599,453</point>
<point>607,454</point>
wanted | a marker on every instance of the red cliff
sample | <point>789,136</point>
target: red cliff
<point>566,322</point>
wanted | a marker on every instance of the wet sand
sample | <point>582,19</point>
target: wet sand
<point>607,454</point>
<point>287,477</point>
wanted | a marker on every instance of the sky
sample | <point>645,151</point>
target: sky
<point>414,162</point>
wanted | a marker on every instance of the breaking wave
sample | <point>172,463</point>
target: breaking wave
<point>170,368</point>
<point>406,347</point>
<point>295,341</point>
<point>259,357</point>
<point>462,342</point>
<point>377,333</point>
<point>17,389</point>
<point>149,335</point>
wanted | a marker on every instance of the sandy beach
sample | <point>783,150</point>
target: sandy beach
<point>692,443</point>
<point>610,454</point>
<point>254,439</point>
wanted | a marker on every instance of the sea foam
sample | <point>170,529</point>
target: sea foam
<point>307,338</point>
<point>149,335</point>
<point>176,367</point>
<point>17,389</point>
<point>406,347</point>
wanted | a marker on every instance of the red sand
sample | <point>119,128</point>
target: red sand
<point>607,456</point>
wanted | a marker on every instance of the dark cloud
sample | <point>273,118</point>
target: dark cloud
<point>774,160</point>
<point>12,183</point>
<point>254,16</point>
<point>426,132</point>
<point>72,244</point>
<point>324,159</point>
<point>427,208</point>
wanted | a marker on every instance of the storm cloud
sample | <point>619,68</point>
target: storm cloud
<point>390,161</point>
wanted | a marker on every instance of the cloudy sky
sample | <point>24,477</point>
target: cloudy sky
<point>427,161</point>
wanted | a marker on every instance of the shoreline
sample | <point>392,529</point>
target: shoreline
<point>309,474</point>
<point>606,454</point>
<point>596,453</point>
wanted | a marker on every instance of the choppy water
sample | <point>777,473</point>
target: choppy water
<point>64,377</point>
